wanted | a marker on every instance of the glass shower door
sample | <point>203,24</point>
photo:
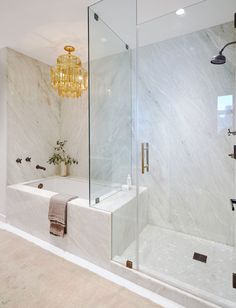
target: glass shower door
<point>185,107</point>
<point>111,121</point>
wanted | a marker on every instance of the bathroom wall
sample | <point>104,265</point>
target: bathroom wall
<point>3,134</point>
<point>37,117</point>
<point>74,129</point>
<point>33,117</point>
<point>110,118</point>
<point>185,108</point>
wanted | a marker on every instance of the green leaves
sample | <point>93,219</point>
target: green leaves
<point>60,155</point>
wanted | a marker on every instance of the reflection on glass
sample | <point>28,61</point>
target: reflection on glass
<point>224,112</point>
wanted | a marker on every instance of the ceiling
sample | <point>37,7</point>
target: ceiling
<point>40,29</point>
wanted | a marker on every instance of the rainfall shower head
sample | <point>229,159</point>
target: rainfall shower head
<point>219,59</point>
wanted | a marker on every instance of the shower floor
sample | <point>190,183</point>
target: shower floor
<point>168,255</point>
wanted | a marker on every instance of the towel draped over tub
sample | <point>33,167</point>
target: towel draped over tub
<point>57,213</point>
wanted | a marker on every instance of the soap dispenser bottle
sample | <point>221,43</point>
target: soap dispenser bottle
<point>128,182</point>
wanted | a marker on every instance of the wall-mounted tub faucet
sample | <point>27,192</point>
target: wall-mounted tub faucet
<point>40,167</point>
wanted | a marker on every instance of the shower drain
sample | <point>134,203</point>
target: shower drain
<point>200,257</point>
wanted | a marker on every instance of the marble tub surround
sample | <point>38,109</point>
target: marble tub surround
<point>191,177</point>
<point>37,117</point>
<point>27,209</point>
<point>33,117</point>
<point>74,129</point>
<point>124,222</point>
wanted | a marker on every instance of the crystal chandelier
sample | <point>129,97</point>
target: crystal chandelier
<point>68,77</point>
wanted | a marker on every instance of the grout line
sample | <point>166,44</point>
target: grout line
<point>157,299</point>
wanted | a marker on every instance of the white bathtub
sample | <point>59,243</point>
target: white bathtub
<point>63,185</point>
<point>89,229</point>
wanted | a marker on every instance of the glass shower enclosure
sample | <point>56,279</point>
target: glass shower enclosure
<point>163,114</point>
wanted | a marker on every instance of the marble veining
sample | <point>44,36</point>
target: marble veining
<point>33,117</point>
<point>37,117</point>
<point>168,255</point>
<point>110,120</point>
<point>191,177</point>
<point>74,129</point>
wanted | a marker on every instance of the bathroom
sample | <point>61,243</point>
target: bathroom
<point>145,148</point>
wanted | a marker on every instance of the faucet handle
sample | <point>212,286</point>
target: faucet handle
<point>233,202</point>
<point>28,159</point>
<point>231,132</point>
<point>19,160</point>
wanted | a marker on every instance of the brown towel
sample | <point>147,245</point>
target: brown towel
<point>57,213</point>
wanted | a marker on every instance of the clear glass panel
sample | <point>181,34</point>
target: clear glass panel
<point>110,110</point>
<point>112,28</point>
<point>185,107</point>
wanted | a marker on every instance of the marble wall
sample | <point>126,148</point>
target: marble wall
<point>185,107</point>
<point>33,117</point>
<point>37,117</point>
<point>74,129</point>
<point>3,134</point>
<point>110,119</point>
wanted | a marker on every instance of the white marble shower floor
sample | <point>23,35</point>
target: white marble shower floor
<point>168,255</point>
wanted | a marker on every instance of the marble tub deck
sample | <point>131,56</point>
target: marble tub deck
<point>168,255</point>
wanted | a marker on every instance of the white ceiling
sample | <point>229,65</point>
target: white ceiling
<point>40,28</point>
<point>150,9</point>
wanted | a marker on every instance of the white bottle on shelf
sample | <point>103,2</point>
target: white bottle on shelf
<point>128,182</point>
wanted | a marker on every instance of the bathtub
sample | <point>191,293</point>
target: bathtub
<point>88,229</point>
<point>61,185</point>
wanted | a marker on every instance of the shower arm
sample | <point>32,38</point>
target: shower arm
<point>231,43</point>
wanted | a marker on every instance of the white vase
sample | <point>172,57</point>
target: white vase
<point>63,169</point>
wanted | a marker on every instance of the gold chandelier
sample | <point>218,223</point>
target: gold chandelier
<point>68,77</point>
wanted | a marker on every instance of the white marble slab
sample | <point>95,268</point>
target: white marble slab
<point>191,177</point>
<point>168,256</point>
<point>88,233</point>
<point>33,117</point>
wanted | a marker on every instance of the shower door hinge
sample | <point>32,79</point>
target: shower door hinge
<point>129,264</point>
<point>96,17</point>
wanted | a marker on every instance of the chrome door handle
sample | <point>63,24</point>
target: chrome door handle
<point>145,157</point>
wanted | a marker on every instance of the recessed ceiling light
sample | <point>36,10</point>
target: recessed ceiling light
<point>180,12</point>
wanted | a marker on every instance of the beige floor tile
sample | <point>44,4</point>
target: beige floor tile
<point>33,277</point>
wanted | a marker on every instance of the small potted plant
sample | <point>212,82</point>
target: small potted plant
<point>61,158</point>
